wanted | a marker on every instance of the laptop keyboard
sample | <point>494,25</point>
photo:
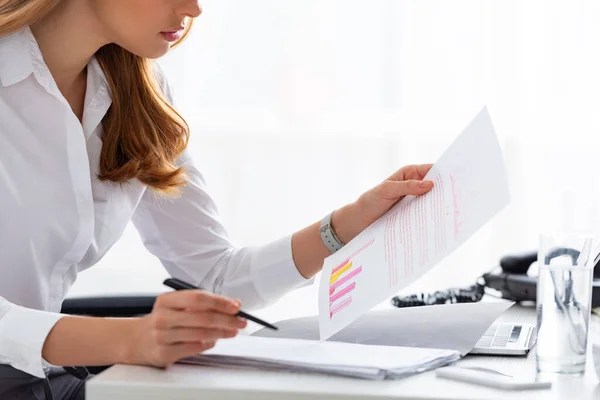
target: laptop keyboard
<point>500,336</point>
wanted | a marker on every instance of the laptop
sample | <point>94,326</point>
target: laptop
<point>506,340</point>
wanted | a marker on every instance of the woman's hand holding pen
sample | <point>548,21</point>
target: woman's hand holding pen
<point>182,324</point>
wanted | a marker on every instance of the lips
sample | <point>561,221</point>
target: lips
<point>172,35</point>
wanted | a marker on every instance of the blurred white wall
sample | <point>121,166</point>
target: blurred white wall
<point>298,106</point>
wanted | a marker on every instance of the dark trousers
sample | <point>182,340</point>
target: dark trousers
<point>18,385</point>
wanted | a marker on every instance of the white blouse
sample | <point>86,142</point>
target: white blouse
<point>57,218</point>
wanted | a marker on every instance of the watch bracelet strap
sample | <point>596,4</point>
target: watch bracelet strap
<point>329,236</point>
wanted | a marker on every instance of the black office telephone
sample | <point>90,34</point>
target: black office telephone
<point>509,279</point>
<point>514,284</point>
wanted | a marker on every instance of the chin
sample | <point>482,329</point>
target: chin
<point>155,52</point>
<point>152,51</point>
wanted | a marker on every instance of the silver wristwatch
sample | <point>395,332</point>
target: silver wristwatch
<point>328,235</point>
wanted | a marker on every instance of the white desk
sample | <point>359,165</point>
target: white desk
<point>194,382</point>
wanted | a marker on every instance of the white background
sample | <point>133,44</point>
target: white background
<point>298,106</point>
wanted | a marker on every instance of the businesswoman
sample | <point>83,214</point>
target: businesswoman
<point>89,140</point>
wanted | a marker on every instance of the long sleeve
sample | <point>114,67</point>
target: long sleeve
<point>192,244</point>
<point>23,332</point>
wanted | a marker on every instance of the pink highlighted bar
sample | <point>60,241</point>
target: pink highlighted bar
<point>342,265</point>
<point>342,292</point>
<point>344,279</point>
<point>345,303</point>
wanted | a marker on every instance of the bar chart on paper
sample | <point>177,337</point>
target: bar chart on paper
<point>342,282</point>
<point>470,186</point>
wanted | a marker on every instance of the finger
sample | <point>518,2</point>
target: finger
<point>181,350</point>
<point>391,190</point>
<point>422,170</point>
<point>193,335</point>
<point>178,351</point>
<point>197,300</point>
<point>198,319</point>
<point>417,171</point>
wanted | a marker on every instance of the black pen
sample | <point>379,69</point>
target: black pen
<point>178,284</point>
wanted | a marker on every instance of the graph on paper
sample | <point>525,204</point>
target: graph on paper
<point>470,186</point>
<point>342,282</point>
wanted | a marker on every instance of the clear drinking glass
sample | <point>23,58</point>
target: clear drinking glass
<point>564,296</point>
<point>595,339</point>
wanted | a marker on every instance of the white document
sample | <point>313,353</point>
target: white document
<point>470,187</point>
<point>355,360</point>
<point>445,326</point>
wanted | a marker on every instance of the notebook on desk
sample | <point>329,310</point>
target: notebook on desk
<point>333,358</point>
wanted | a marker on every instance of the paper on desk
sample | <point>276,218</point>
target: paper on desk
<point>360,361</point>
<point>446,326</point>
<point>470,187</point>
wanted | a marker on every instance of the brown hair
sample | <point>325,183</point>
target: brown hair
<point>143,134</point>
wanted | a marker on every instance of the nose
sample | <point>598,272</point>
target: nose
<point>190,8</point>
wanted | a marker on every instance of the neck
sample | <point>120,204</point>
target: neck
<point>68,38</point>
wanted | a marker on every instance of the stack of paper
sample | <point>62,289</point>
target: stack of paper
<point>345,359</point>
